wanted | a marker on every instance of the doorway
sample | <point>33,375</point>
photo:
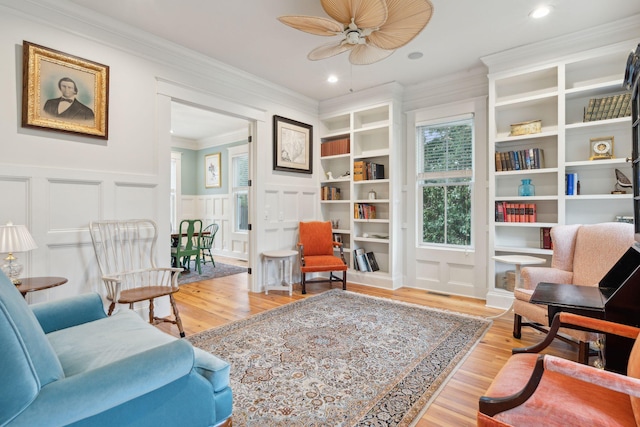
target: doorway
<point>198,133</point>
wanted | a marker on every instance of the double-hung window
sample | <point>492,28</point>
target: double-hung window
<point>445,181</point>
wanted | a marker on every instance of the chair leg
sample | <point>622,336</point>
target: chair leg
<point>176,314</point>
<point>112,306</point>
<point>304,287</point>
<point>151,311</point>
<point>583,352</point>
<point>344,280</point>
<point>517,326</point>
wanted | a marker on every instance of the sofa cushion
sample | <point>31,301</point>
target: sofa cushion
<point>27,359</point>
<point>92,345</point>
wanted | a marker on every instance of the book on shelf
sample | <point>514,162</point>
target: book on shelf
<point>372,263</point>
<point>335,147</point>
<point>526,159</point>
<point>330,193</point>
<point>515,212</point>
<point>360,260</point>
<point>545,238</point>
<point>364,211</point>
<point>363,170</point>
<point>572,184</point>
<point>610,107</point>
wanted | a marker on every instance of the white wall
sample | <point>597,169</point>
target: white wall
<point>57,183</point>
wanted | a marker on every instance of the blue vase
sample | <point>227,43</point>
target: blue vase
<point>526,188</point>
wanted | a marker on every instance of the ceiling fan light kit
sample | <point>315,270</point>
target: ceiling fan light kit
<point>370,29</point>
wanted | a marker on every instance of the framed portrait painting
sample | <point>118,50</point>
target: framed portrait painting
<point>212,171</point>
<point>64,93</point>
<point>292,146</point>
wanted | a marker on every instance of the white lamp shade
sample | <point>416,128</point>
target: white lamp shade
<point>15,238</point>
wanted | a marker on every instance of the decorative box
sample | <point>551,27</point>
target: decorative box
<point>526,128</point>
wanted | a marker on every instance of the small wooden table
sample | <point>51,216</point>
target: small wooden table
<point>32,284</point>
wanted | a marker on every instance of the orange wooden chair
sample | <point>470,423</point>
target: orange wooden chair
<point>534,390</point>
<point>316,248</point>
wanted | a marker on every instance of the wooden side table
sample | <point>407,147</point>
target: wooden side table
<point>281,258</point>
<point>32,284</point>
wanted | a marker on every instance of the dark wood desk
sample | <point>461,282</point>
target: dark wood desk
<point>32,284</point>
<point>597,302</point>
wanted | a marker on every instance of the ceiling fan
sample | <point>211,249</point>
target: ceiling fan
<point>371,29</point>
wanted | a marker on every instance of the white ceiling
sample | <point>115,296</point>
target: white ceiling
<point>246,34</point>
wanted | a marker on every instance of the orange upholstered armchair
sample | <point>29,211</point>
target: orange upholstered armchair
<point>582,255</point>
<point>316,253</point>
<point>535,390</point>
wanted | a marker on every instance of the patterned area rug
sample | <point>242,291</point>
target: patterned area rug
<point>340,359</point>
<point>209,272</point>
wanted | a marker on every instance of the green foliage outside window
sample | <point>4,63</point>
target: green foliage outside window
<point>446,182</point>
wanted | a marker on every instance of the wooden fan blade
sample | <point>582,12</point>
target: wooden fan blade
<point>365,13</point>
<point>406,19</point>
<point>328,50</point>
<point>363,54</point>
<point>313,25</point>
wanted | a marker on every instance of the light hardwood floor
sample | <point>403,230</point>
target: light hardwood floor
<point>204,305</point>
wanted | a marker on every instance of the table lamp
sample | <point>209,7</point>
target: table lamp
<point>14,238</point>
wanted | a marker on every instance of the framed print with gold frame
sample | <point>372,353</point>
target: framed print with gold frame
<point>64,93</point>
<point>212,171</point>
<point>601,148</point>
<point>292,146</point>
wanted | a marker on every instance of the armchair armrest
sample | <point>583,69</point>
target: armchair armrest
<point>493,405</point>
<point>531,276</point>
<point>575,321</point>
<point>589,374</point>
<point>68,312</point>
<point>101,389</point>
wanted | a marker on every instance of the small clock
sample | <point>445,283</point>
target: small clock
<point>601,148</point>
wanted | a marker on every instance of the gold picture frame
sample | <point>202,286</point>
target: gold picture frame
<point>292,146</point>
<point>64,93</point>
<point>212,171</point>
<point>601,148</point>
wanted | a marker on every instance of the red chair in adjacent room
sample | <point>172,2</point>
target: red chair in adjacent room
<point>316,249</point>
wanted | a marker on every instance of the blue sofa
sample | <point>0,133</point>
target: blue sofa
<point>66,363</point>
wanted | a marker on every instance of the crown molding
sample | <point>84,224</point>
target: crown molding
<point>230,82</point>
<point>464,85</point>
<point>392,91</point>
<point>560,47</point>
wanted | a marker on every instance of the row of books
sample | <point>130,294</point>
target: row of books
<point>335,147</point>
<point>531,158</point>
<point>330,193</point>
<point>516,212</point>
<point>367,170</point>
<point>572,185</point>
<point>364,211</point>
<point>610,107</point>
<point>545,238</point>
<point>364,261</point>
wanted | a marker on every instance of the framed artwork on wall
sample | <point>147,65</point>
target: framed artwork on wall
<point>292,146</point>
<point>64,93</point>
<point>212,171</point>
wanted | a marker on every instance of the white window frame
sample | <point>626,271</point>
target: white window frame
<point>235,152</point>
<point>421,177</point>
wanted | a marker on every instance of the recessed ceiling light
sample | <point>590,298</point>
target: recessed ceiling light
<point>415,55</point>
<point>332,79</point>
<point>540,12</point>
